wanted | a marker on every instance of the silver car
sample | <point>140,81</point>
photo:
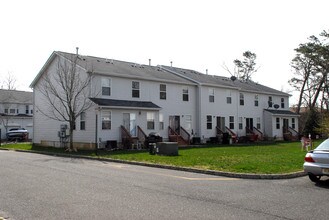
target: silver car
<point>316,162</point>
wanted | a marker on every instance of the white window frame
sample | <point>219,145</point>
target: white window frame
<point>150,120</point>
<point>135,89</point>
<point>106,117</point>
<point>241,98</point>
<point>231,122</point>
<point>209,122</point>
<point>256,100</point>
<point>161,121</point>
<point>106,84</point>
<point>240,123</point>
<point>163,91</point>
<point>185,94</point>
<point>211,95</point>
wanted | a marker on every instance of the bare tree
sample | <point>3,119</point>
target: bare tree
<point>66,92</point>
<point>9,82</point>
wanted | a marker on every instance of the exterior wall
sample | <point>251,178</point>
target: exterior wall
<point>197,107</point>
<point>46,129</point>
<point>121,89</point>
<point>220,108</point>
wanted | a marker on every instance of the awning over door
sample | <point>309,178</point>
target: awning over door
<point>125,104</point>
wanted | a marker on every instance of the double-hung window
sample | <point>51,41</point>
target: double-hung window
<point>211,95</point>
<point>135,89</point>
<point>106,86</point>
<point>163,91</point>
<point>256,100</point>
<point>209,122</point>
<point>241,99</point>
<point>240,123</point>
<point>277,123</point>
<point>282,102</point>
<point>231,120</point>
<point>106,120</point>
<point>270,102</point>
<point>258,123</point>
<point>83,121</point>
<point>185,94</point>
<point>150,120</point>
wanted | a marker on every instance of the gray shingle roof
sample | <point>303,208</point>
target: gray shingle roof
<point>124,103</point>
<point>124,69</point>
<point>15,96</point>
<point>281,112</point>
<point>224,81</point>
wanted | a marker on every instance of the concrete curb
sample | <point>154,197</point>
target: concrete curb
<point>186,169</point>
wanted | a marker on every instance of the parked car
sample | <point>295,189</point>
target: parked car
<point>316,162</point>
<point>17,134</point>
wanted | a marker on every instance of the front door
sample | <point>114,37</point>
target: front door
<point>249,124</point>
<point>129,122</point>
<point>221,123</point>
<point>174,123</point>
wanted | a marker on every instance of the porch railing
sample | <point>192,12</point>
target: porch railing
<point>219,131</point>
<point>260,134</point>
<point>185,135</point>
<point>293,131</point>
<point>127,139</point>
<point>141,134</point>
<point>233,135</point>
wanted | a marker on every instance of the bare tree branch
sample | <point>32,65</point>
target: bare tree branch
<point>65,90</point>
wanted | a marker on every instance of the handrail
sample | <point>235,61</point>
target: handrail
<point>171,131</point>
<point>230,131</point>
<point>219,131</point>
<point>261,133</point>
<point>292,130</point>
<point>249,131</point>
<point>185,135</point>
<point>125,135</point>
<point>233,135</point>
<point>141,134</point>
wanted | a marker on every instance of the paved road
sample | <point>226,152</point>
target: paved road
<point>36,186</point>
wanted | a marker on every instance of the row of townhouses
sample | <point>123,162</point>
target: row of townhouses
<point>16,111</point>
<point>131,100</point>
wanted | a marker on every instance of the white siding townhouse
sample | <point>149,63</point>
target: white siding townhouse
<point>16,111</point>
<point>133,100</point>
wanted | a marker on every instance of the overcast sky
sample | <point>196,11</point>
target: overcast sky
<point>196,35</point>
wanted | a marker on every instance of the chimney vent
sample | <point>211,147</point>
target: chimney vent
<point>171,63</point>
<point>207,71</point>
<point>77,49</point>
<point>149,62</point>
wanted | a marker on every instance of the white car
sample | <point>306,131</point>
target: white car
<point>17,134</point>
<point>316,162</point>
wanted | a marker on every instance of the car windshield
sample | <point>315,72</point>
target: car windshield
<point>323,146</point>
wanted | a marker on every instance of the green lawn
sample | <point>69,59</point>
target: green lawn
<point>280,157</point>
